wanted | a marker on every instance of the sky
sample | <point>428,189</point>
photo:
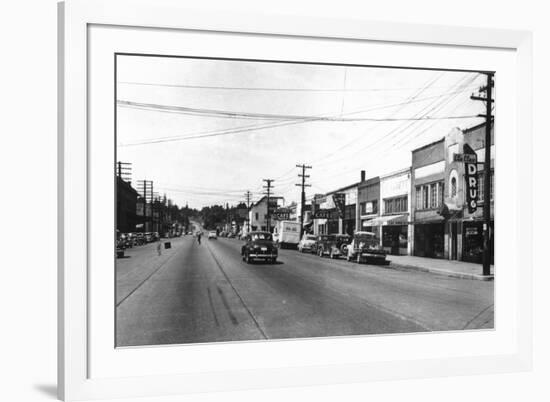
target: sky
<point>206,131</point>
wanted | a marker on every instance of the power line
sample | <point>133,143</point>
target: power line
<point>267,116</point>
<point>397,131</point>
<point>411,98</point>
<point>254,127</point>
<point>230,88</point>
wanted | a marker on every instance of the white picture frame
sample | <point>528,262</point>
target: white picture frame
<point>75,19</point>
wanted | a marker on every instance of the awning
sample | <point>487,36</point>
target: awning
<point>429,220</point>
<point>387,220</point>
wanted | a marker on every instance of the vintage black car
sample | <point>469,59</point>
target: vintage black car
<point>326,245</point>
<point>342,242</point>
<point>364,247</point>
<point>259,246</point>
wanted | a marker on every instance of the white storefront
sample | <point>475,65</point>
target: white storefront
<point>395,211</point>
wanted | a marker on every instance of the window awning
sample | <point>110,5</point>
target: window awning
<point>387,220</point>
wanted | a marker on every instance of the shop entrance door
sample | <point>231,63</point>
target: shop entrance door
<point>454,241</point>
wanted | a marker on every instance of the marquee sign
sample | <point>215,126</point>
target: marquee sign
<point>340,203</point>
<point>281,215</point>
<point>325,214</point>
<point>472,180</point>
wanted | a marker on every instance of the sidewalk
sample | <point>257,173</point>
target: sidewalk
<point>455,269</point>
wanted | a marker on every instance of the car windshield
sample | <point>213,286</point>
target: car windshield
<point>261,236</point>
<point>310,237</point>
<point>328,237</point>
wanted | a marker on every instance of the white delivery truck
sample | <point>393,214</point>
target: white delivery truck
<point>287,234</point>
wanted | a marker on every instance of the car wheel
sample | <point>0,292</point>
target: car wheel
<point>248,259</point>
<point>274,260</point>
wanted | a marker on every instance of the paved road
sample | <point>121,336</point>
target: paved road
<point>204,293</point>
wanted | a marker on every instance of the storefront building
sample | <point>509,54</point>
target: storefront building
<point>395,193</point>
<point>257,214</point>
<point>427,189</point>
<point>464,240</point>
<point>344,222</point>
<point>368,198</point>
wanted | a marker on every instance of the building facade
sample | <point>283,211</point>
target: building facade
<point>395,212</point>
<point>257,214</point>
<point>427,189</point>
<point>126,211</point>
<point>336,223</point>
<point>464,231</point>
<point>368,198</point>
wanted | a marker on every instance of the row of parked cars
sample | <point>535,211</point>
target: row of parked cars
<point>361,247</point>
<point>129,240</point>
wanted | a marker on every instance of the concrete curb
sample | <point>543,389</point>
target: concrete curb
<point>444,272</point>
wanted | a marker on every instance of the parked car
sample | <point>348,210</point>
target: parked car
<point>306,243</point>
<point>140,239</point>
<point>148,237</point>
<point>119,245</point>
<point>127,240</point>
<point>326,245</point>
<point>364,247</point>
<point>212,235</point>
<point>342,242</point>
<point>259,246</point>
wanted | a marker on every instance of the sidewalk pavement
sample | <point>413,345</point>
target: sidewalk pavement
<point>455,269</point>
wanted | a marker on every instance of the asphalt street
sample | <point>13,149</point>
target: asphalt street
<point>205,293</point>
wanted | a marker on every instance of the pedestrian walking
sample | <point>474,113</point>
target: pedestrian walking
<point>159,248</point>
<point>199,234</point>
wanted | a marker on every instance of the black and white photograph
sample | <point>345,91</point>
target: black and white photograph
<point>273,199</point>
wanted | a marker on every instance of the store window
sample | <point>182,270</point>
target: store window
<point>433,195</point>
<point>428,196</point>
<point>396,205</point>
<point>425,195</point>
<point>453,187</point>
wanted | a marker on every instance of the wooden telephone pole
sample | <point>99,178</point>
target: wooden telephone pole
<point>303,199</point>
<point>248,194</point>
<point>268,188</point>
<point>488,99</point>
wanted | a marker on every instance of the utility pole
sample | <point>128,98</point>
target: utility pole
<point>248,194</point>
<point>146,188</point>
<point>303,198</point>
<point>124,171</point>
<point>488,89</point>
<point>268,188</point>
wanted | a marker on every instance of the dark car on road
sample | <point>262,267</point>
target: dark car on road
<point>259,246</point>
<point>365,247</point>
